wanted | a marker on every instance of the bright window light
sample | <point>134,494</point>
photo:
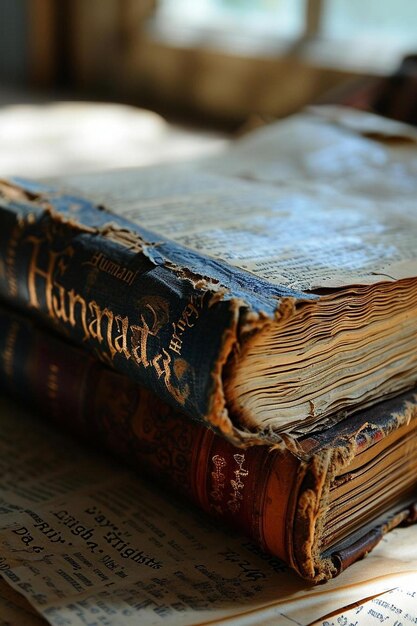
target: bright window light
<point>282,17</point>
<point>394,20</point>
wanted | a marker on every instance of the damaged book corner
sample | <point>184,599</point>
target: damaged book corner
<point>260,307</point>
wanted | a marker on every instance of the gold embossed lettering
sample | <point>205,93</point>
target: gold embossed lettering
<point>237,484</point>
<point>139,343</point>
<point>218,477</point>
<point>164,370</point>
<point>73,300</point>
<point>95,325</point>
<point>120,341</point>
<point>58,304</point>
<point>104,264</point>
<point>102,324</point>
<point>188,318</point>
<point>176,342</point>
<point>35,271</point>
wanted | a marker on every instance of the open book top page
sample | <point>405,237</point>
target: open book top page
<point>258,306</point>
<point>337,198</point>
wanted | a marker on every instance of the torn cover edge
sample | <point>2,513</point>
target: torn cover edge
<point>332,458</point>
<point>252,302</point>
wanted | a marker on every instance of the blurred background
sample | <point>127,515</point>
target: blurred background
<point>90,84</point>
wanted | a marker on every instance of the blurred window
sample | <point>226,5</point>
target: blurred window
<point>284,17</point>
<point>395,21</point>
<point>232,57</point>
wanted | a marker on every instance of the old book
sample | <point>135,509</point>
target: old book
<point>319,509</point>
<point>86,541</point>
<point>266,292</point>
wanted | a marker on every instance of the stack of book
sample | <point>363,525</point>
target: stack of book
<point>244,327</point>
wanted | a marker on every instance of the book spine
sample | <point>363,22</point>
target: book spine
<point>254,490</point>
<point>115,291</point>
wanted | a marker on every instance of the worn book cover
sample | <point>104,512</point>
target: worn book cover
<point>265,292</point>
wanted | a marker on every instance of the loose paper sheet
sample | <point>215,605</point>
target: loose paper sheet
<point>329,200</point>
<point>88,543</point>
<point>397,607</point>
